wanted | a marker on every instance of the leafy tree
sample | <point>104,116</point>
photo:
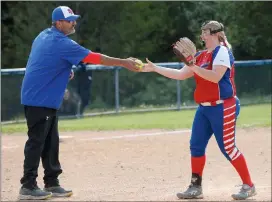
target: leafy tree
<point>139,29</point>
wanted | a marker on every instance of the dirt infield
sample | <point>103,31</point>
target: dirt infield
<point>141,165</point>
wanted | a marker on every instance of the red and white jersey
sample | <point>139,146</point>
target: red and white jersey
<point>207,91</point>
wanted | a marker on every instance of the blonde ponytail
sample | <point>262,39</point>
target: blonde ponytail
<point>223,39</point>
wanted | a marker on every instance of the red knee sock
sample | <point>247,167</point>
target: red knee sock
<point>241,167</point>
<point>198,164</point>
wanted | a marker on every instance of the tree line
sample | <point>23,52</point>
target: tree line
<point>139,29</point>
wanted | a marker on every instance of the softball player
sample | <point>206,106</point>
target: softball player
<point>218,109</point>
<point>47,73</point>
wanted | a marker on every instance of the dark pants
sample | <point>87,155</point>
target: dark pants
<point>43,142</point>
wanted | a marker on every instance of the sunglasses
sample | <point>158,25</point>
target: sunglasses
<point>67,21</point>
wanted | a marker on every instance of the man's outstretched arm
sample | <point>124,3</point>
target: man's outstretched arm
<point>98,58</point>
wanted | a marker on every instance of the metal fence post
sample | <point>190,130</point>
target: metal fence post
<point>116,80</point>
<point>178,95</point>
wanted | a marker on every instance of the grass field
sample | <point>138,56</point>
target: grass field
<point>255,115</point>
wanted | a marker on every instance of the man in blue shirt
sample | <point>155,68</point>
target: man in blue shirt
<point>47,74</point>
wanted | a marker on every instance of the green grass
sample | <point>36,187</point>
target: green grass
<point>255,115</point>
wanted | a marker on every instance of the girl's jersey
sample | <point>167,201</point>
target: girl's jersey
<point>207,91</point>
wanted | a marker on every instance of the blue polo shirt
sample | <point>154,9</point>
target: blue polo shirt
<point>48,68</point>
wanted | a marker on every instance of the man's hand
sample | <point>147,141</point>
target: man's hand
<point>72,74</point>
<point>131,64</point>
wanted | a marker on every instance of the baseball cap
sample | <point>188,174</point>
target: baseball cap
<point>63,13</point>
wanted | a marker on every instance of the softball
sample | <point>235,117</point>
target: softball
<point>140,64</point>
